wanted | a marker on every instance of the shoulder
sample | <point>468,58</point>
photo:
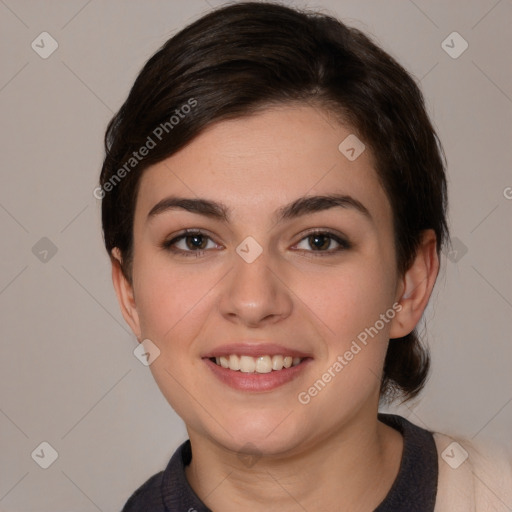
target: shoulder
<point>473,476</point>
<point>147,497</point>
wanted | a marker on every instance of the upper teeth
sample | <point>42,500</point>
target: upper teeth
<point>262,364</point>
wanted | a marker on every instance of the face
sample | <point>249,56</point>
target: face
<point>267,274</point>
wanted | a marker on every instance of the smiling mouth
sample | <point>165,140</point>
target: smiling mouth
<point>261,364</point>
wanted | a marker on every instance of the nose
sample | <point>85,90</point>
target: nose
<point>256,293</point>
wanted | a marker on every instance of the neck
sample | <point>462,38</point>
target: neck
<point>353,469</point>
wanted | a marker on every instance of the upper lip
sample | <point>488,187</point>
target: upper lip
<point>255,350</point>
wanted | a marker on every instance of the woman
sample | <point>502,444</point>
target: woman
<point>274,206</point>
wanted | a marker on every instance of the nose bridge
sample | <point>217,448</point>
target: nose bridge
<point>253,292</point>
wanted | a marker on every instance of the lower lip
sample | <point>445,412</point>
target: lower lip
<point>257,381</point>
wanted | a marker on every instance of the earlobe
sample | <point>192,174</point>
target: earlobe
<point>125,295</point>
<point>416,287</point>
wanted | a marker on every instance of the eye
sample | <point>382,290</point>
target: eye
<point>194,242</point>
<point>189,243</point>
<point>321,241</point>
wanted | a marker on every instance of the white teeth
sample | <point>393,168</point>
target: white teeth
<point>277,363</point>
<point>261,364</point>
<point>234,362</point>
<point>247,364</point>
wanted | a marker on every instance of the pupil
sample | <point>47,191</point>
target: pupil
<point>195,238</point>
<point>315,238</point>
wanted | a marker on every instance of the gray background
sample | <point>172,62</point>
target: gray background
<point>68,375</point>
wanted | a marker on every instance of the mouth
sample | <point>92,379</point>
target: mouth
<point>256,367</point>
<point>260,364</point>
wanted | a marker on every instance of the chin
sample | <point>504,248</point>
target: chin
<point>259,435</point>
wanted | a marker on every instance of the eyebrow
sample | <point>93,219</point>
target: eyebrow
<point>299,207</point>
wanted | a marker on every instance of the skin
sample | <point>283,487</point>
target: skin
<point>331,454</point>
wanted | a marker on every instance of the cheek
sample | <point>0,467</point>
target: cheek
<point>348,300</point>
<point>168,296</point>
<point>348,314</point>
<point>172,305</point>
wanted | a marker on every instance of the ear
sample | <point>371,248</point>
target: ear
<point>416,286</point>
<point>124,292</point>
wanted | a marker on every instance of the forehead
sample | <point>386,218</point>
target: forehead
<point>262,161</point>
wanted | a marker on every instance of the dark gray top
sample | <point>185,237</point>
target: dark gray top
<point>414,489</point>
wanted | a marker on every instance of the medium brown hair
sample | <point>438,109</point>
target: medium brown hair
<point>239,59</point>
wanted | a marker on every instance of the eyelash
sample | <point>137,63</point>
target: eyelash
<point>168,244</point>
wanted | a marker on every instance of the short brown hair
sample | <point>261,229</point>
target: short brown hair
<point>241,58</point>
